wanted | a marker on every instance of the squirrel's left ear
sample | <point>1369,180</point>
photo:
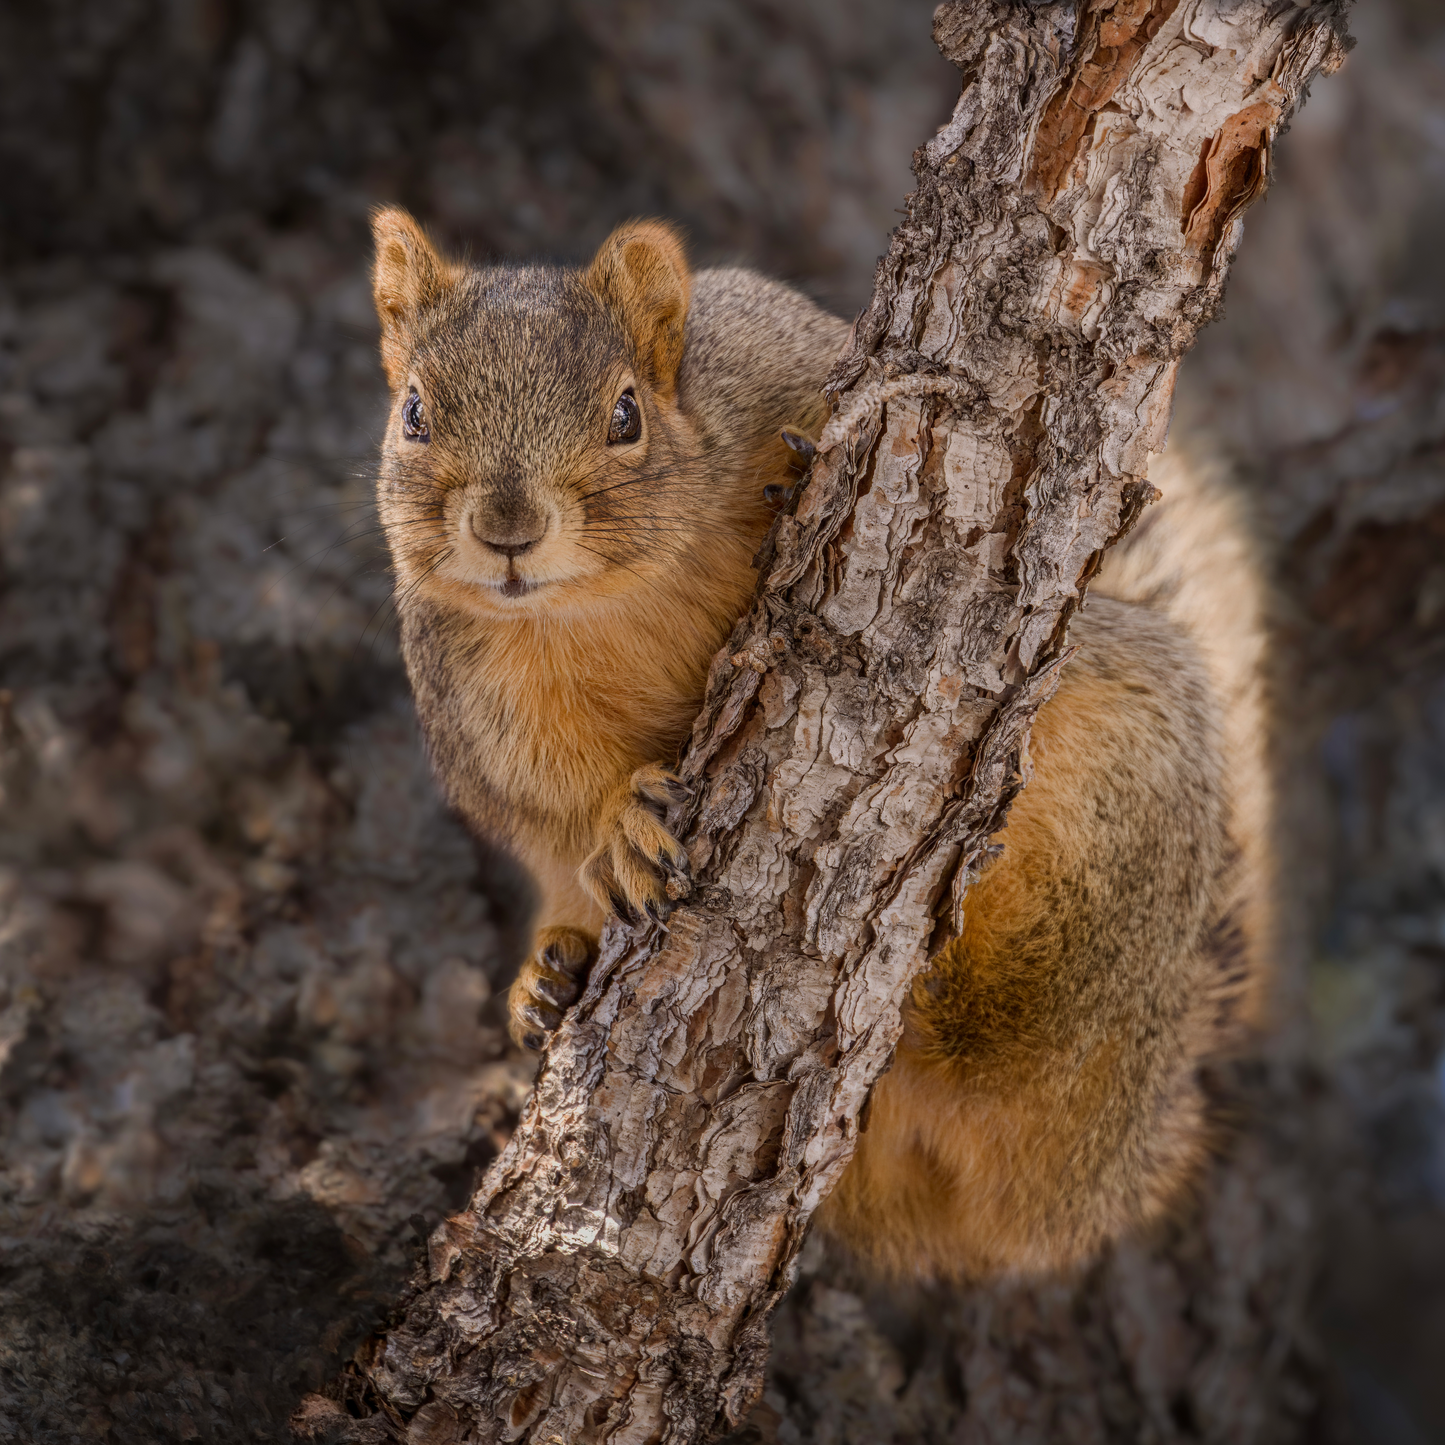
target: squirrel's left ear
<point>409,274</point>
<point>641,275</point>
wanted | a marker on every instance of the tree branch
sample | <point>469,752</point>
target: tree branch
<point>864,730</point>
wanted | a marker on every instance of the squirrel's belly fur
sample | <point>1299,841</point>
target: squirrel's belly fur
<point>562,597</point>
<point>532,725</point>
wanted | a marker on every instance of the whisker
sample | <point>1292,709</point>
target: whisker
<point>640,530</point>
<point>660,474</point>
<point>348,536</point>
<point>698,523</point>
<point>398,599</point>
<point>649,582</point>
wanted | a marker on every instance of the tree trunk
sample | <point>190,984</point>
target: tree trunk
<point>864,731</point>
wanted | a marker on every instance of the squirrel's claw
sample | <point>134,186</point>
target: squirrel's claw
<point>561,993</point>
<point>801,451</point>
<point>802,448</point>
<point>547,985</point>
<point>659,786</point>
<point>620,906</point>
<point>539,1016</point>
<point>567,952</point>
<point>677,876</point>
<point>638,868</point>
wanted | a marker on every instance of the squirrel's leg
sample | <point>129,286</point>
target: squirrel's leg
<point>548,983</point>
<point>563,949</point>
<point>1044,1096</point>
<point>638,867</point>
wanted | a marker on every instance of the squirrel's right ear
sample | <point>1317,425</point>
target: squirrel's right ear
<point>407,276</point>
<point>640,273</point>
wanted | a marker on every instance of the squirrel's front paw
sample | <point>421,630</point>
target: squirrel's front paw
<point>639,867</point>
<point>548,983</point>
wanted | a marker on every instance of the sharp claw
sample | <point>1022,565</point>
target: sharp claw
<point>678,872</point>
<point>539,1017</point>
<point>558,992</point>
<point>657,914</point>
<point>622,908</point>
<point>533,1042</point>
<point>552,957</point>
<point>800,446</point>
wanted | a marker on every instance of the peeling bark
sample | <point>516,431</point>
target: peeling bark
<point>864,731</point>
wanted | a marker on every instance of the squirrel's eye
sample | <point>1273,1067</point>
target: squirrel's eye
<point>626,423</point>
<point>413,420</point>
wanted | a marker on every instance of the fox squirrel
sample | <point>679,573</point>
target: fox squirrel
<point>572,485</point>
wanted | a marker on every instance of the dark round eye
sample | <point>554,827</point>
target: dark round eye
<point>413,419</point>
<point>626,423</point>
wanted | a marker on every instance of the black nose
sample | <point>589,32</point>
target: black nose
<point>510,538</point>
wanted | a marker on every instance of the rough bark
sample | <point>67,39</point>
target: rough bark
<point>865,728</point>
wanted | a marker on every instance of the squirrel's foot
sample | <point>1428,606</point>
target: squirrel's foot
<point>639,867</point>
<point>548,984</point>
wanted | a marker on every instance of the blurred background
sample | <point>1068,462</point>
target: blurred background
<point>250,970</point>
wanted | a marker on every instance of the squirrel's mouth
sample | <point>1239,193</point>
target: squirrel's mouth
<point>514,586</point>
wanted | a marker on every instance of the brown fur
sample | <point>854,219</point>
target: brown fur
<point>1044,1097</point>
<point>546,712</point>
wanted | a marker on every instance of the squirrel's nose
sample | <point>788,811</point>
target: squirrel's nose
<point>510,539</point>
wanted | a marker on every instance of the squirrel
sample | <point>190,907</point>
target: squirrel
<point>572,484</point>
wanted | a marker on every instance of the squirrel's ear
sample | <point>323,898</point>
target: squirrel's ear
<point>407,276</point>
<point>641,275</point>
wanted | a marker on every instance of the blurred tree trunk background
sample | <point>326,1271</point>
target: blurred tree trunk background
<point>248,990</point>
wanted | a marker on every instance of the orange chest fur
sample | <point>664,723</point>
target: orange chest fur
<point>533,724</point>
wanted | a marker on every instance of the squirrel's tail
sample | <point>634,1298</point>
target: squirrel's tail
<point>1198,555</point>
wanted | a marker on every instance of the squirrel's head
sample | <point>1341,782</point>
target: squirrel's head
<point>532,456</point>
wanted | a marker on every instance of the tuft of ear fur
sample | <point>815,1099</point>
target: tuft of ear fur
<point>640,273</point>
<point>409,274</point>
